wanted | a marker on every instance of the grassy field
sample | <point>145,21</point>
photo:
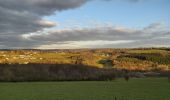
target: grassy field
<point>134,89</point>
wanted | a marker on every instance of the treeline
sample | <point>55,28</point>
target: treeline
<point>53,72</point>
<point>157,58</point>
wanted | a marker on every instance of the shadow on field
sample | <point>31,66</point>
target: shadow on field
<point>68,72</point>
<point>53,72</point>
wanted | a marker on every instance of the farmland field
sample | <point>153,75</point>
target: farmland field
<point>134,89</point>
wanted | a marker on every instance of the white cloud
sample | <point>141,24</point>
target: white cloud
<point>83,44</point>
<point>46,23</point>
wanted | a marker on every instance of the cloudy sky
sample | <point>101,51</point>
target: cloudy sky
<point>58,24</point>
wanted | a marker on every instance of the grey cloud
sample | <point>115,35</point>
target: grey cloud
<point>139,37</point>
<point>23,16</point>
<point>40,7</point>
<point>101,33</point>
<point>19,17</point>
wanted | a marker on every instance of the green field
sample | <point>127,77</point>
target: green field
<point>134,89</point>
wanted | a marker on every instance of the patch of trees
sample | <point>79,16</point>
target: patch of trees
<point>157,58</point>
<point>167,49</point>
<point>53,72</point>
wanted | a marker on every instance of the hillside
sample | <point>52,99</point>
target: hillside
<point>131,59</point>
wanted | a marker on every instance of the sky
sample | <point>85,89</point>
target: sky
<point>72,24</point>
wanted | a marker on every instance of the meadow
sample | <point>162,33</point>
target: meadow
<point>119,89</point>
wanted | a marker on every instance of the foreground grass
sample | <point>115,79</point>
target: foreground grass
<point>135,89</point>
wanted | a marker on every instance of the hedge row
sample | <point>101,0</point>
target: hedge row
<point>53,72</point>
